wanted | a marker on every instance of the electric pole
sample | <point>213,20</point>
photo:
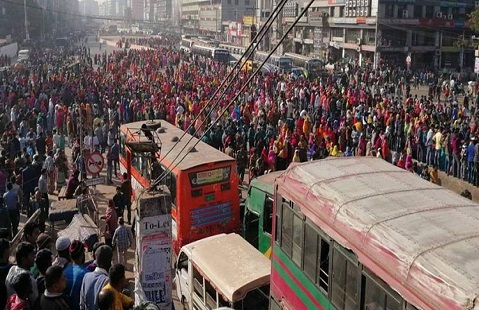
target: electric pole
<point>27,35</point>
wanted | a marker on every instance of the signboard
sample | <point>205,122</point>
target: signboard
<point>156,282</point>
<point>476,65</point>
<point>94,181</point>
<point>154,249</point>
<point>248,20</point>
<point>94,163</point>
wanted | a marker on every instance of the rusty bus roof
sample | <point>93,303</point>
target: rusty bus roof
<point>173,149</point>
<point>419,237</point>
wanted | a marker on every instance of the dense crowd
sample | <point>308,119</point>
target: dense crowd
<point>40,280</point>
<point>71,98</point>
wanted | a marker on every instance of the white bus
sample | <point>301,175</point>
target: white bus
<point>222,271</point>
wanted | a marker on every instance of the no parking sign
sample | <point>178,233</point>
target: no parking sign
<point>94,163</point>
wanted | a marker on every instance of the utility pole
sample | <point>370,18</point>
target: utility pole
<point>27,35</point>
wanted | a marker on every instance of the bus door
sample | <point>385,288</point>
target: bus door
<point>257,221</point>
<point>251,215</point>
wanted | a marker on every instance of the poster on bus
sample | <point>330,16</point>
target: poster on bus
<point>156,269</point>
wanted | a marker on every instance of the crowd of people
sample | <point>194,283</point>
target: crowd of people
<point>40,280</point>
<point>5,60</point>
<point>50,105</point>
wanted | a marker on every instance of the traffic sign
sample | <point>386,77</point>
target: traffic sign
<point>94,163</point>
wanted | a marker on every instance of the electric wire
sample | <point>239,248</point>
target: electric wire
<point>305,9</point>
<point>249,51</point>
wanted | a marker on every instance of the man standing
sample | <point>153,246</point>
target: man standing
<point>117,283</point>
<point>74,273</point>
<point>115,155</point>
<point>94,281</point>
<point>11,199</point>
<point>25,257</point>
<point>122,240</point>
<point>126,190</point>
<point>43,189</point>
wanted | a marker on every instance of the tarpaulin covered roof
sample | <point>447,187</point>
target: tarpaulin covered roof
<point>422,239</point>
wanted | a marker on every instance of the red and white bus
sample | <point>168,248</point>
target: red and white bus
<point>203,184</point>
<point>360,233</point>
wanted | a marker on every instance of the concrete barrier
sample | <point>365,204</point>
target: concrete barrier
<point>132,46</point>
<point>10,50</point>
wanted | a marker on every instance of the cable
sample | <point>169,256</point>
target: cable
<point>305,9</point>
<point>258,37</point>
<point>249,51</point>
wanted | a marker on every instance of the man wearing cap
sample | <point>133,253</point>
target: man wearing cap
<point>63,252</point>
<point>94,281</point>
<point>74,273</point>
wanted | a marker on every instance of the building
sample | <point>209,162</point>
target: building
<point>164,10</point>
<point>137,9</point>
<point>213,17</point>
<point>382,30</point>
<point>89,8</point>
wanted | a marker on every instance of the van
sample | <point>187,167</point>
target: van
<point>222,271</point>
<point>23,55</point>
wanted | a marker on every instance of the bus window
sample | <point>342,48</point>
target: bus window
<point>251,228</point>
<point>256,299</point>
<point>287,229</point>
<point>345,281</point>
<point>268,215</point>
<point>122,145</point>
<point>377,294</point>
<point>198,284</point>
<point>297,239</point>
<point>210,295</point>
<point>324,266</point>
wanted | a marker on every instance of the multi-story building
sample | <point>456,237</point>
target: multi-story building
<point>213,17</point>
<point>164,10</point>
<point>89,8</point>
<point>383,30</point>
<point>137,9</point>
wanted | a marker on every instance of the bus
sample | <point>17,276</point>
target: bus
<point>215,53</point>
<point>312,66</point>
<point>233,49</point>
<point>203,186</point>
<point>360,233</point>
<point>222,271</point>
<point>284,63</point>
<point>186,44</point>
<point>258,212</point>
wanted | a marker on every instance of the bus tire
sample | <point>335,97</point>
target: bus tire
<point>183,303</point>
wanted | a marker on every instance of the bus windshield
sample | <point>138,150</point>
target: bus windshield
<point>286,64</point>
<point>257,299</point>
<point>313,65</point>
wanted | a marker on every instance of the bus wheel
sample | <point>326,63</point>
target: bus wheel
<point>183,303</point>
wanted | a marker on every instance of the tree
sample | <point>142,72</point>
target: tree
<point>473,20</point>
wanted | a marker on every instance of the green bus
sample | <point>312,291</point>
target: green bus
<point>258,212</point>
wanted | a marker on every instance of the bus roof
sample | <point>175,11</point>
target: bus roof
<point>419,237</point>
<point>172,148</point>
<point>266,181</point>
<point>233,265</point>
